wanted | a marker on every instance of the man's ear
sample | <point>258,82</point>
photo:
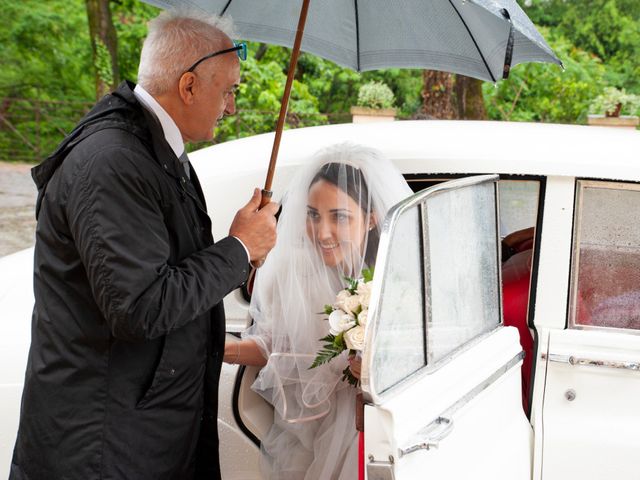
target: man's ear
<point>186,87</point>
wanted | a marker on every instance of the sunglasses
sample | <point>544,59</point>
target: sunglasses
<point>239,47</point>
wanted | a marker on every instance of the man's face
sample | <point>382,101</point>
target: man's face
<point>213,96</point>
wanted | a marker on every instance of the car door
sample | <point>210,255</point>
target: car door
<point>591,364</point>
<point>441,374</point>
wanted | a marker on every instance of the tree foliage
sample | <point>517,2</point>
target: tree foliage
<point>609,29</point>
<point>544,92</point>
<point>46,56</point>
<point>48,77</point>
<point>45,50</point>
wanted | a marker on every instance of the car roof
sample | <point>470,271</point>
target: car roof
<point>449,147</point>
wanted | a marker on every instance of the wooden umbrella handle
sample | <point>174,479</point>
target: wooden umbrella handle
<point>284,105</point>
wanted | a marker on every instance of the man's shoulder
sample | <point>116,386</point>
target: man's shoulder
<point>113,138</point>
<point>111,158</point>
<point>111,145</point>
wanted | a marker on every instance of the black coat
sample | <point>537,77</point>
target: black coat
<point>128,325</point>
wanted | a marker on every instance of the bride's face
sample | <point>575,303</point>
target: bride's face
<point>335,224</point>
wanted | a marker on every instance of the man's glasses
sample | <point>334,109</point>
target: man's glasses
<point>239,47</point>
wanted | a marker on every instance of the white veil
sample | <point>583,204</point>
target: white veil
<point>298,279</point>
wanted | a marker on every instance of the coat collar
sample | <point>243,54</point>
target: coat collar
<point>169,128</point>
<point>120,109</point>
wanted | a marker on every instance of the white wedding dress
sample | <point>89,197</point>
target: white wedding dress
<point>313,436</point>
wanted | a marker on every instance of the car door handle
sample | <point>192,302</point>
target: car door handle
<point>431,436</point>
<point>573,360</point>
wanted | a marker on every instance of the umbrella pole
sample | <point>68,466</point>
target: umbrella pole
<point>266,192</point>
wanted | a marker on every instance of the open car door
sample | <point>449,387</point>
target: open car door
<point>441,374</point>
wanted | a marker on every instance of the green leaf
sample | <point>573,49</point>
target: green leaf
<point>367,275</point>
<point>328,351</point>
<point>352,285</point>
<point>347,376</point>
<point>328,339</point>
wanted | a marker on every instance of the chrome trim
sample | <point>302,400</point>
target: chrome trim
<point>426,440</point>
<point>382,266</point>
<point>430,441</point>
<point>626,331</point>
<point>588,362</point>
<point>496,187</point>
<point>426,278</point>
<point>581,185</point>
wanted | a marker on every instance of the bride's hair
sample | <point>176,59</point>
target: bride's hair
<point>351,181</point>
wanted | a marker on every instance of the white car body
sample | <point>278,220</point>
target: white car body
<point>584,418</point>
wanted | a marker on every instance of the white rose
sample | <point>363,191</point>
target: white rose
<point>352,304</point>
<point>364,291</point>
<point>362,317</point>
<point>340,321</point>
<point>354,338</point>
<point>341,298</point>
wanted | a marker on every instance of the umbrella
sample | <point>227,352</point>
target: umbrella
<point>477,38</point>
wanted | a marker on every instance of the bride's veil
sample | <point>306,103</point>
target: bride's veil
<point>298,278</point>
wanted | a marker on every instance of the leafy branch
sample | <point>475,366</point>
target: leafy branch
<point>334,345</point>
<point>352,283</point>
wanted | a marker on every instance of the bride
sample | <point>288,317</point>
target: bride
<point>328,230</point>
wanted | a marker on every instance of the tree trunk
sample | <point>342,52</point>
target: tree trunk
<point>470,101</point>
<point>262,49</point>
<point>446,96</point>
<point>104,44</point>
<point>437,95</point>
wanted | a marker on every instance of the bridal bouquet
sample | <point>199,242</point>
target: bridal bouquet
<point>347,319</point>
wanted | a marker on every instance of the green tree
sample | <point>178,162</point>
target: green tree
<point>130,19</point>
<point>45,50</point>
<point>609,29</point>
<point>104,45</point>
<point>46,55</point>
<point>47,79</point>
<point>259,95</point>
<point>545,93</point>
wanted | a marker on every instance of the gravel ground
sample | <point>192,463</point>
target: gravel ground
<point>17,200</point>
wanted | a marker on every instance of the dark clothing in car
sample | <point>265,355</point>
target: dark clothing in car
<point>128,325</point>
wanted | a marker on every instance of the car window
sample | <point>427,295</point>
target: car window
<point>518,205</point>
<point>440,279</point>
<point>606,256</point>
<point>400,339</point>
<point>518,200</point>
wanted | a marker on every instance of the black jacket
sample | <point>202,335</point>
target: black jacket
<point>128,325</point>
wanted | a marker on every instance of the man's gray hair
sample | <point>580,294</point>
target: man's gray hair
<point>176,39</point>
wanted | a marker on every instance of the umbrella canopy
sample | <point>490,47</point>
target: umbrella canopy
<point>477,38</point>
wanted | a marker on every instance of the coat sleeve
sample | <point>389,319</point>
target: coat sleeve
<point>117,223</point>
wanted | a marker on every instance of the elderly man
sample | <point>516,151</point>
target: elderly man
<point>128,325</point>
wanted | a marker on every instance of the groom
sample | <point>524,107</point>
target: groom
<point>128,325</point>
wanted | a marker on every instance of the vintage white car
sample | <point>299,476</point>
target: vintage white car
<point>447,394</point>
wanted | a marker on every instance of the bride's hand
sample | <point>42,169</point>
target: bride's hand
<point>355,365</point>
